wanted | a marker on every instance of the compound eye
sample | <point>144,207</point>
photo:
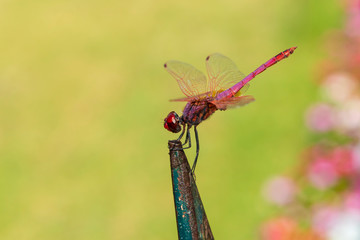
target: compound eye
<point>172,122</point>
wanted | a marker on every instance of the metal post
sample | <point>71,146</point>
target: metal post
<point>191,218</point>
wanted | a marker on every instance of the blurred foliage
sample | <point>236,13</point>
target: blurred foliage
<point>83,95</point>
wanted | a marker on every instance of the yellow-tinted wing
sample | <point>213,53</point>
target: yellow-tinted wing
<point>192,82</point>
<point>232,102</point>
<point>222,72</point>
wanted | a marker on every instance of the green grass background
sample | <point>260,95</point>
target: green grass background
<point>83,95</point>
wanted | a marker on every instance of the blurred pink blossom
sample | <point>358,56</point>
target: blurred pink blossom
<point>278,229</point>
<point>322,173</point>
<point>280,190</point>
<point>356,158</point>
<point>349,115</point>
<point>352,27</point>
<point>352,201</point>
<point>323,218</point>
<point>339,86</point>
<point>320,117</point>
<point>343,160</point>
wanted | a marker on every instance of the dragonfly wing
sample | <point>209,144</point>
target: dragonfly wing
<point>192,82</point>
<point>222,72</point>
<point>185,99</point>
<point>243,89</point>
<point>189,99</point>
<point>232,102</point>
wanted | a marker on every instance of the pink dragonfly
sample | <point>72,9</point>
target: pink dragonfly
<point>224,89</point>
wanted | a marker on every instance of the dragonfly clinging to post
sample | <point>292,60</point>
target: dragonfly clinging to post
<point>223,89</point>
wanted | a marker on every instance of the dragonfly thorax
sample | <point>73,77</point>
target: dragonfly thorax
<point>198,111</point>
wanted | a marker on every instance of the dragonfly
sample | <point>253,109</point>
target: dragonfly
<point>222,89</point>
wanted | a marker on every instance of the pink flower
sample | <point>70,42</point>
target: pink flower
<point>356,158</point>
<point>353,22</point>
<point>349,116</point>
<point>353,26</point>
<point>320,117</point>
<point>322,173</point>
<point>340,86</point>
<point>323,218</point>
<point>343,161</point>
<point>352,201</point>
<point>281,228</point>
<point>280,190</point>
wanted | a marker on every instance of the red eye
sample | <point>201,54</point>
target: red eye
<point>172,122</point>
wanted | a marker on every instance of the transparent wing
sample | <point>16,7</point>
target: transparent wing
<point>222,72</point>
<point>232,102</point>
<point>243,89</point>
<point>189,99</point>
<point>192,82</point>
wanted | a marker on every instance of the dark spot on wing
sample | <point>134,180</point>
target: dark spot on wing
<point>165,65</point>
<point>207,59</point>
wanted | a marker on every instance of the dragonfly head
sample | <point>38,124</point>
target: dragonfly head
<point>172,122</point>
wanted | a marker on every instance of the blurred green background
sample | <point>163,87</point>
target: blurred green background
<point>83,95</point>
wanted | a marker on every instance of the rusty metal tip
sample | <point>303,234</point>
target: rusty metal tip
<point>172,143</point>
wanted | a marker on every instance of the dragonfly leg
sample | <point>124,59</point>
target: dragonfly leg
<point>187,135</point>
<point>188,138</point>
<point>182,133</point>
<point>197,150</point>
